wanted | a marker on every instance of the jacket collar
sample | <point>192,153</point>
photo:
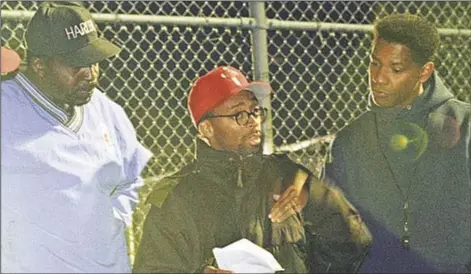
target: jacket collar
<point>74,121</point>
<point>225,160</point>
<point>206,153</point>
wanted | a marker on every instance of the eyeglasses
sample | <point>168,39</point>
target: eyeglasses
<point>242,117</point>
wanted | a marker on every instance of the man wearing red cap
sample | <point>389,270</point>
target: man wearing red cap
<point>226,194</point>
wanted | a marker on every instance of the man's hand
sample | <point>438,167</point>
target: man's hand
<point>212,269</point>
<point>292,200</point>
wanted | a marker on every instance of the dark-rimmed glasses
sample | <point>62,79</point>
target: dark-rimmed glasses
<point>242,117</point>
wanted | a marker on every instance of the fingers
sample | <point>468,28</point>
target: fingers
<point>212,269</point>
<point>287,196</point>
<point>286,205</point>
<point>283,213</point>
<point>293,199</point>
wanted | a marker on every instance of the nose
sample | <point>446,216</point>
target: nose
<point>254,120</point>
<point>378,75</point>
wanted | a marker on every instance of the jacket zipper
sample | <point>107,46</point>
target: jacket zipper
<point>239,177</point>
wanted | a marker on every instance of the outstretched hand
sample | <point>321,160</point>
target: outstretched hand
<point>292,200</point>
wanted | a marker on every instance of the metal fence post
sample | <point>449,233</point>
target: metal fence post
<point>261,71</point>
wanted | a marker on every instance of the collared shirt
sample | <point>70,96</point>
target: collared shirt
<point>69,184</point>
<point>73,122</point>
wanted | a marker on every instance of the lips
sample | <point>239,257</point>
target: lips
<point>380,94</point>
<point>255,139</point>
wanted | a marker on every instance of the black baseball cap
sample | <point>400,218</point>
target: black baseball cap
<point>66,31</point>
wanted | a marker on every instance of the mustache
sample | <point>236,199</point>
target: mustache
<point>257,133</point>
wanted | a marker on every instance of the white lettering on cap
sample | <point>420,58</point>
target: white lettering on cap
<point>81,29</point>
<point>231,73</point>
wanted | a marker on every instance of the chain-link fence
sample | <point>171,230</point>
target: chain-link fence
<point>315,55</point>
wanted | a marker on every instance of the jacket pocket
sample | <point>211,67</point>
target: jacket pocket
<point>289,244</point>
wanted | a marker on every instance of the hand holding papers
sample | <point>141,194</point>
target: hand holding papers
<point>244,256</point>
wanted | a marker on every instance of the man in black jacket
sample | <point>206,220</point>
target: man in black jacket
<point>227,194</point>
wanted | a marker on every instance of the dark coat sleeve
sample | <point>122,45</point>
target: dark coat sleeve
<point>338,240</point>
<point>169,243</point>
<point>335,164</point>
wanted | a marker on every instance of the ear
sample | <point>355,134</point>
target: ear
<point>38,65</point>
<point>426,72</point>
<point>206,130</point>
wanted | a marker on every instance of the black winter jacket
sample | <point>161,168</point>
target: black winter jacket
<point>221,198</point>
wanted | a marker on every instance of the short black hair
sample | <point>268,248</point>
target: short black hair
<point>413,31</point>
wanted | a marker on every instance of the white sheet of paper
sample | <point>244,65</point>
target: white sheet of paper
<point>244,256</point>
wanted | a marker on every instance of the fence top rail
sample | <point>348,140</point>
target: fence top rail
<point>283,24</point>
<point>241,22</point>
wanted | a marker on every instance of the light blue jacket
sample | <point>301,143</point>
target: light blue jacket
<point>68,185</point>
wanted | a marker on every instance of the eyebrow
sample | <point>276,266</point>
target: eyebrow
<point>237,105</point>
<point>253,99</point>
<point>393,63</point>
<point>397,63</point>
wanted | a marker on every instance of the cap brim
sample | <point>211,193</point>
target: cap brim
<point>95,52</point>
<point>10,60</point>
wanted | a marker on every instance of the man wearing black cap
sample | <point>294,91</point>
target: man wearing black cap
<point>226,194</point>
<point>70,161</point>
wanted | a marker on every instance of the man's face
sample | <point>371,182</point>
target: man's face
<point>70,85</point>
<point>394,77</point>
<point>228,134</point>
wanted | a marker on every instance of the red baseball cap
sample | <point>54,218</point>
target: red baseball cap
<point>218,85</point>
<point>10,60</point>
